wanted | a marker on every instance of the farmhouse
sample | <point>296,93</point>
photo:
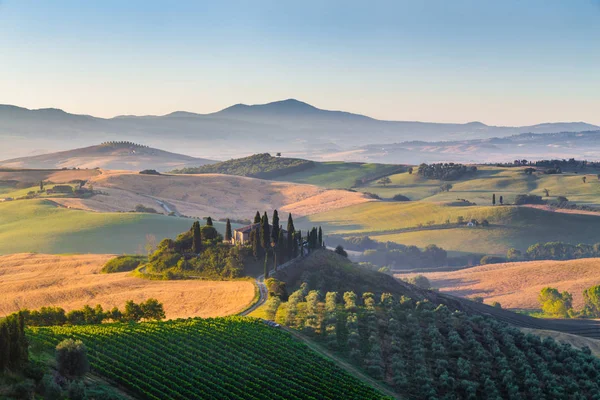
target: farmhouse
<point>241,235</point>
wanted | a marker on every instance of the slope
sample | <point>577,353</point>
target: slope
<point>423,223</point>
<point>502,181</point>
<point>42,226</point>
<point>219,358</point>
<point>39,280</point>
<point>517,285</point>
<point>110,155</point>
<point>220,196</point>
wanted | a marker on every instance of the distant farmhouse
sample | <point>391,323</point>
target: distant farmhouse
<point>241,236</point>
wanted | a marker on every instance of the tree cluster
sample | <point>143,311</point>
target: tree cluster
<point>426,351</point>
<point>13,343</point>
<point>445,171</point>
<point>148,310</point>
<point>262,166</point>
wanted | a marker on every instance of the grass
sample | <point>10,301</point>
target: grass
<point>15,194</point>
<point>37,280</point>
<point>517,285</point>
<point>506,182</point>
<point>407,223</point>
<point>338,175</point>
<point>41,226</point>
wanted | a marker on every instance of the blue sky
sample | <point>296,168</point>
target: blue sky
<point>503,62</point>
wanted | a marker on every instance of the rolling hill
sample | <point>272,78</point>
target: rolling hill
<point>113,155</point>
<point>289,126</point>
<point>72,281</point>
<point>333,175</point>
<point>517,285</point>
<point>43,227</point>
<point>423,223</point>
<point>503,181</point>
<point>220,196</point>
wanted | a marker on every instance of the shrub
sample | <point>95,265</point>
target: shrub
<point>123,264</point>
<point>419,281</point>
<point>529,199</point>
<point>71,358</point>
<point>477,299</point>
<point>76,391</point>
<point>143,209</point>
<point>491,260</point>
<point>513,254</point>
<point>149,172</point>
<point>52,390</point>
<point>400,197</point>
<point>496,304</point>
<point>340,250</point>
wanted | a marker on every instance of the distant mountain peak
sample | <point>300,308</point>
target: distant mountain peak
<point>276,107</point>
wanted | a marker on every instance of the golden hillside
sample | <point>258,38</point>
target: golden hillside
<point>211,194</point>
<point>36,280</point>
<point>517,285</point>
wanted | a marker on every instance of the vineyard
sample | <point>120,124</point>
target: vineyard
<point>214,358</point>
<point>426,351</point>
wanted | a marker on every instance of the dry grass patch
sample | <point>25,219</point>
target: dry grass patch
<point>517,285</point>
<point>36,280</point>
<point>211,194</point>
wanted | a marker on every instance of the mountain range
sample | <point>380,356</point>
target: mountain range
<point>290,126</point>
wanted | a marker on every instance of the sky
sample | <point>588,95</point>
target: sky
<point>508,62</point>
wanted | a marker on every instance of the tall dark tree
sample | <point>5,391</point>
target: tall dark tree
<point>41,186</point>
<point>291,248</point>
<point>266,273</point>
<point>255,243</point>
<point>494,199</point>
<point>228,233</point>
<point>282,252</point>
<point>209,221</point>
<point>257,218</point>
<point>320,238</point>
<point>196,238</point>
<point>265,233</point>
<point>275,230</point>
<point>299,242</point>
<point>501,200</point>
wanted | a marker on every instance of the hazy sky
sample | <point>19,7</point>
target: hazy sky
<point>504,62</point>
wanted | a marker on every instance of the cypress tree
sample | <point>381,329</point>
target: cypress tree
<point>254,243</point>
<point>196,238</point>
<point>281,249</point>
<point>228,234</point>
<point>266,274</point>
<point>494,199</point>
<point>291,253</point>
<point>275,231</point>
<point>209,221</point>
<point>299,242</point>
<point>320,238</point>
<point>257,218</point>
<point>265,233</point>
<point>41,186</point>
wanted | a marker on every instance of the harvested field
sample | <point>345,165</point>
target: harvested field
<point>36,280</point>
<point>517,285</point>
<point>216,195</point>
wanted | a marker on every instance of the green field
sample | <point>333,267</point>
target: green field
<point>423,223</point>
<point>216,358</point>
<point>339,175</point>
<point>506,182</point>
<point>6,191</point>
<point>41,226</point>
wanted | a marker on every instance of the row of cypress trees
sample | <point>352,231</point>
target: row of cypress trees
<point>13,343</point>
